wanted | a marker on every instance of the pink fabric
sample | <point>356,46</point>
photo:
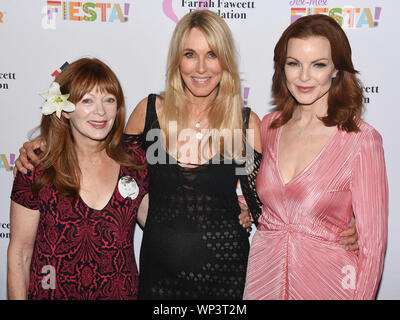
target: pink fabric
<point>295,252</point>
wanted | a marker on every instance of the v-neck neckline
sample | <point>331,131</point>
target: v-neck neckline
<point>111,197</point>
<point>309,165</point>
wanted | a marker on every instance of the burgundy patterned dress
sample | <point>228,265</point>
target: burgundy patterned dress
<point>89,253</point>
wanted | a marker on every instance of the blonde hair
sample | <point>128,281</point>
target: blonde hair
<point>225,113</point>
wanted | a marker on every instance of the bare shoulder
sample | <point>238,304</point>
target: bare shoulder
<point>254,121</point>
<point>137,118</point>
<point>254,124</point>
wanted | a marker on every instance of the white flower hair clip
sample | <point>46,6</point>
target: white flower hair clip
<point>56,102</point>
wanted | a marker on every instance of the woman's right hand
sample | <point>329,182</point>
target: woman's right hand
<point>27,157</point>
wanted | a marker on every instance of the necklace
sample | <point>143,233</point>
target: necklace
<point>300,133</point>
<point>199,135</point>
<point>301,130</point>
<point>197,124</point>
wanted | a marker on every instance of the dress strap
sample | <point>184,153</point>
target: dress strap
<point>151,122</point>
<point>151,114</point>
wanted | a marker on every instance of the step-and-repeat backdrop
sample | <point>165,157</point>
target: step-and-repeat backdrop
<point>37,38</point>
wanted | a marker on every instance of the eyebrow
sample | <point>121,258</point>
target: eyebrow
<point>105,94</point>
<point>89,94</point>
<point>289,57</point>
<point>194,51</point>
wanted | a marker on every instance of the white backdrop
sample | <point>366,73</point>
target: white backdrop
<point>37,37</point>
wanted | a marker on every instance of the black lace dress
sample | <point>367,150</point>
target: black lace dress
<point>193,246</point>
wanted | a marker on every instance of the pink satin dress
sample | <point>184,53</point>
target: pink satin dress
<point>295,252</point>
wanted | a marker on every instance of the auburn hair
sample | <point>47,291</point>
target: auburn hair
<point>345,97</point>
<point>59,161</point>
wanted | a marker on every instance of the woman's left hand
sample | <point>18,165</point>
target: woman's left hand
<point>349,238</point>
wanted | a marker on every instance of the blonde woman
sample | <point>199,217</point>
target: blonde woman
<point>193,246</point>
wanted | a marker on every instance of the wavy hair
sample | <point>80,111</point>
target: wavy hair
<point>345,98</point>
<point>60,162</point>
<point>225,113</point>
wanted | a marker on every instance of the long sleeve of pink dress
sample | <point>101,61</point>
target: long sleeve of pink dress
<point>295,252</point>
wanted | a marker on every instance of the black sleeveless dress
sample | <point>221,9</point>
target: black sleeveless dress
<point>193,246</point>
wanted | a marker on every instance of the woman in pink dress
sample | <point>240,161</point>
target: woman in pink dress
<point>321,164</point>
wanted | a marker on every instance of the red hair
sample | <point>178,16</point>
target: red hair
<point>60,162</point>
<point>345,95</point>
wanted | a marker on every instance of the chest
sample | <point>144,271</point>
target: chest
<point>98,185</point>
<point>61,213</point>
<point>329,168</point>
<point>296,151</point>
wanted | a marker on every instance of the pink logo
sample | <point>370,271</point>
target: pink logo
<point>169,10</point>
<point>246,91</point>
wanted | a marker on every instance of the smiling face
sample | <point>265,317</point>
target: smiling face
<point>94,116</point>
<point>200,68</point>
<point>309,70</point>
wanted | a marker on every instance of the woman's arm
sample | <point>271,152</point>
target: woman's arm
<point>370,205</point>
<point>249,172</point>
<point>142,211</point>
<point>24,224</point>
<point>254,126</point>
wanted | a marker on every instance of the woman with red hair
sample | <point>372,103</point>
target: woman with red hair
<point>321,164</point>
<point>73,215</point>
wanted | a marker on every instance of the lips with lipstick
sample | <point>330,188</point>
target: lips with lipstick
<point>98,124</point>
<point>305,89</point>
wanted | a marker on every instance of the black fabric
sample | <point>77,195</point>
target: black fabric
<point>193,246</point>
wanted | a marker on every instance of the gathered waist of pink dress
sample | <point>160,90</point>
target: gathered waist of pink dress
<point>299,231</point>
